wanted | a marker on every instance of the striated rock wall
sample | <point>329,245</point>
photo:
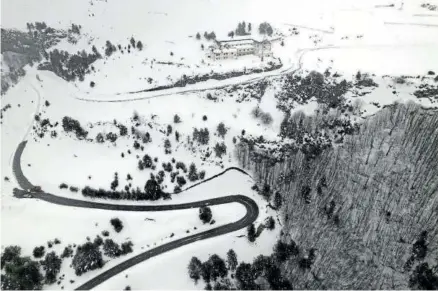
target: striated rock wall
<point>370,199</point>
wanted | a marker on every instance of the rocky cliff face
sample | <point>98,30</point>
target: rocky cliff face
<point>357,209</point>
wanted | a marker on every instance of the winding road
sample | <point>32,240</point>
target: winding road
<point>252,212</point>
<point>203,86</point>
<point>250,205</point>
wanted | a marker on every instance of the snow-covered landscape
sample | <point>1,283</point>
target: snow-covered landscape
<point>123,103</point>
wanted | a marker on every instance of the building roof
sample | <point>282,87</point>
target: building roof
<point>236,40</point>
<point>242,41</point>
<point>231,50</point>
<point>246,46</point>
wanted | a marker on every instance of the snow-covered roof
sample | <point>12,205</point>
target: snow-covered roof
<point>246,46</point>
<point>231,50</point>
<point>234,42</point>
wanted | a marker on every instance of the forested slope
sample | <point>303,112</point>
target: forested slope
<point>363,213</point>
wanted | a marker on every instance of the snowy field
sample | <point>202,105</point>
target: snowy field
<point>340,35</point>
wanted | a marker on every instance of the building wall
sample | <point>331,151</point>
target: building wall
<point>241,49</point>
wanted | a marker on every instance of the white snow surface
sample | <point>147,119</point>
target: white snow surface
<point>381,40</point>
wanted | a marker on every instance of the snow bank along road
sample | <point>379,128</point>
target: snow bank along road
<point>252,212</point>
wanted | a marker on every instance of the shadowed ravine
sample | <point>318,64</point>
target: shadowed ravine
<point>251,215</point>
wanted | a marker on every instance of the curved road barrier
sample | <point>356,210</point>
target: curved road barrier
<point>252,212</point>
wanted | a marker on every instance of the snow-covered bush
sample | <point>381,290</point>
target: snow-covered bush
<point>111,249</point>
<point>51,265</point>
<point>181,181</point>
<point>87,257</point>
<point>38,252</point>
<point>117,224</point>
<point>20,273</point>
<point>111,136</point>
<point>68,251</point>
<point>193,174</point>
<point>202,136</point>
<point>220,149</point>
<point>100,138</point>
<point>71,125</point>
<point>126,247</point>
<point>221,130</point>
<point>205,214</point>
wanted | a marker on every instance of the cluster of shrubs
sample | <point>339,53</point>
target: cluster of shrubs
<point>114,250</point>
<point>241,29</point>
<point>193,173</point>
<point>145,163</point>
<point>4,109</point>
<point>182,166</point>
<point>72,125</point>
<point>221,130</point>
<point>176,119</point>
<point>211,270</point>
<point>89,257</point>
<point>302,89</point>
<point>65,186</point>
<point>22,273</point>
<point>41,127</point>
<point>244,276</point>
<point>110,48</point>
<point>167,167</point>
<point>208,36</point>
<point>111,136</point>
<point>152,191</point>
<point>167,146</point>
<point>276,200</point>
<point>220,149</point>
<point>427,91</point>
<point>123,129</point>
<point>115,182</point>
<point>265,28</point>
<point>363,80</point>
<point>117,224</point>
<point>202,136</point>
<point>70,67</point>
<point>265,117</point>
<point>205,214</point>
<point>184,80</point>
<point>424,277</point>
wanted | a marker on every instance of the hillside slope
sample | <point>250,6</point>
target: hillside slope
<point>362,205</point>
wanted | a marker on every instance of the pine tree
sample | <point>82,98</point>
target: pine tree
<point>231,260</point>
<point>205,214</point>
<point>51,265</point>
<point>245,277</point>
<point>278,200</point>
<point>270,223</point>
<point>251,232</point>
<point>195,269</point>
<point>111,248</point>
<point>193,173</point>
<point>221,130</point>
<point>139,45</point>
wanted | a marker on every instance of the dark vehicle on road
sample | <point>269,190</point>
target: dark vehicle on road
<point>36,189</point>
